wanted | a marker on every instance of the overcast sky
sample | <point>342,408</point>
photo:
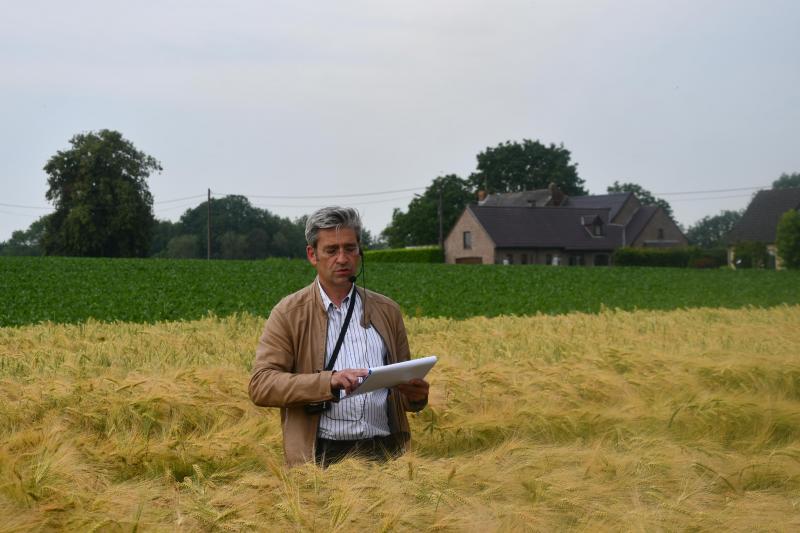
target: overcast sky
<point>302,99</point>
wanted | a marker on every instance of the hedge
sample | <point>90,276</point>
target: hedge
<point>427,254</point>
<point>670,257</point>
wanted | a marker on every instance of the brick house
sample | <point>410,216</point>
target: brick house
<point>759,223</point>
<point>548,227</point>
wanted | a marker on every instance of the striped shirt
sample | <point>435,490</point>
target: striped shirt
<point>362,416</point>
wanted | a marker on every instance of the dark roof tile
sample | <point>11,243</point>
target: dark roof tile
<point>760,221</point>
<point>546,227</point>
<point>613,201</point>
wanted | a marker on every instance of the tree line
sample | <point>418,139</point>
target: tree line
<point>103,206</point>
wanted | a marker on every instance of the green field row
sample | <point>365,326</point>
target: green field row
<point>70,290</point>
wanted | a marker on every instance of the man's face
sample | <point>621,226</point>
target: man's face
<point>335,257</point>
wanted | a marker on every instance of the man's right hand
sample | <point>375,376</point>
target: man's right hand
<point>347,379</point>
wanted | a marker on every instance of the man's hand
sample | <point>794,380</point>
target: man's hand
<point>415,390</point>
<point>347,379</point>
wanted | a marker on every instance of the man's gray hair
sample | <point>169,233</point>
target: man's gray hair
<point>332,217</point>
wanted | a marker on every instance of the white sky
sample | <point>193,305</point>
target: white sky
<point>350,97</point>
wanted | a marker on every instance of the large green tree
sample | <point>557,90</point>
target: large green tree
<point>788,239</point>
<point>103,206</point>
<point>787,181</point>
<point>527,165</point>
<point>420,224</point>
<point>644,196</point>
<point>709,231</point>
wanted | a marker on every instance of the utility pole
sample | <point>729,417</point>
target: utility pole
<point>208,232</point>
<point>441,241</point>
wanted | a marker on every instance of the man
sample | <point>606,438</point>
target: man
<point>299,339</point>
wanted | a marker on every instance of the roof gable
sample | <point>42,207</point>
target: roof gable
<point>638,221</point>
<point>613,202</point>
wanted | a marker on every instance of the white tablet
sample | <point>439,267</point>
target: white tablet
<point>382,377</point>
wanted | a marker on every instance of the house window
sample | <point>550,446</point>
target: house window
<point>467,240</point>
<point>597,230</point>
<point>601,260</point>
<point>576,260</point>
<point>660,234</point>
<point>524,259</point>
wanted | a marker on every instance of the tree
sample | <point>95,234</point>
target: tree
<point>709,232</point>
<point>644,196</point>
<point>103,206</point>
<point>183,247</point>
<point>787,181</point>
<point>163,232</point>
<point>514,167</point>
<point>233,245</point>
<point>788,239</point>
<point>234,214</point>
<point>420,224</point>
<point>26,242</point>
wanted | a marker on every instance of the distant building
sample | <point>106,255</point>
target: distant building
<point>548,227</point>
<point>760,222</point>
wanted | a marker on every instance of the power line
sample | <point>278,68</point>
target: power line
<point>710,198</point>
<point>322,196</point>
<point>312,206</point>
<point>173,207</point>
<point>19,214</point>
<point>25,206</point>
<point>711,191</point>
<point>180,199</point>
<point>172,200</point>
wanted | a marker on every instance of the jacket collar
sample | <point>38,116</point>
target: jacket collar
<point>316,297</point>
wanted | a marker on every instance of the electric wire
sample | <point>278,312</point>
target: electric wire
<point>321,196</point>
<point>711,191</point>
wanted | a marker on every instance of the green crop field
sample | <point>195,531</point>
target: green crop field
<point>69,290</point>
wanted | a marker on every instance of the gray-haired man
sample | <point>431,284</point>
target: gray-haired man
<point>298,342</point>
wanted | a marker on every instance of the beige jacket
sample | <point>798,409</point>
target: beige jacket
<point>288,368</point>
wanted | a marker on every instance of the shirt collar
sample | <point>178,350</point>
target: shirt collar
<point>327,302</point>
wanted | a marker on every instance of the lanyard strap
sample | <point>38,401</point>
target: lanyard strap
<point>340,340</point>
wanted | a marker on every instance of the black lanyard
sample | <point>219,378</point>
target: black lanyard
<point>342,333</point>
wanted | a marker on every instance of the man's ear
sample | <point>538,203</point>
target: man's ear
<point>311,254</point>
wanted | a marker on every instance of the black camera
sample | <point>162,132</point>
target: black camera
<point>317,407</point>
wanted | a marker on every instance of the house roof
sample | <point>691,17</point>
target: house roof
<point>541,197</point>
<point>638,222</point>
<point>613,201</point>
<point>547,227</point>
<point>760,221</point>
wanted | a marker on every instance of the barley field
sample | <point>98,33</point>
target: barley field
<point>682,420</point>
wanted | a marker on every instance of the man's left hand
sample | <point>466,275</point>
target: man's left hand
<point>415,390</point>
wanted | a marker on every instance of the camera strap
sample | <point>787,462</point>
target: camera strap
<point>342,333</point>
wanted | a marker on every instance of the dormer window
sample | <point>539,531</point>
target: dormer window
<point>594,226</point>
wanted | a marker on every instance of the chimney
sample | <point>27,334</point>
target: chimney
<point>481,196</point>
<point>556,196</point>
